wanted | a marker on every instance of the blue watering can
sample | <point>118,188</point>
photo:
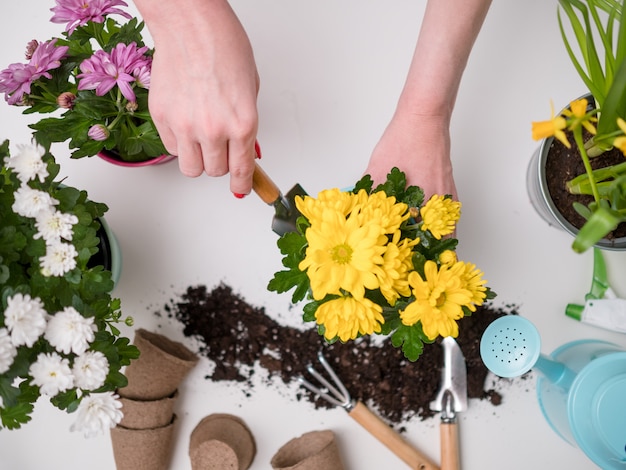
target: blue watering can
<point>581,391</point>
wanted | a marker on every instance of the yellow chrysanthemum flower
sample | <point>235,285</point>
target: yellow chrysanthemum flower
<point>448,257</point>
<point>620,142</point>
<point>397,263</point>
<point>384,209</point>
<point>312,208</point>
<point>440,215</point>
<point>475,284</point>
<point>343,254</point>
<point>438,299</point>
<point>577,112</point>
<point>553,127</point>
<point>347,317</point>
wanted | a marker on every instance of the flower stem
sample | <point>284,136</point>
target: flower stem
<point>578,137</point>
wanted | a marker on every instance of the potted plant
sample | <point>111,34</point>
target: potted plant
<point>58,333</point>
<point>380,260</point>
<point>593,127</point>
<point>97,75</point>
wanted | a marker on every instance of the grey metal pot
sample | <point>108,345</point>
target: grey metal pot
<point>537,187</point>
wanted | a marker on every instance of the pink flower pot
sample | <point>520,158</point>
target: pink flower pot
<point>111,157</point>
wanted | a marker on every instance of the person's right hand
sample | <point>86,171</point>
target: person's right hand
<point>203,89</point>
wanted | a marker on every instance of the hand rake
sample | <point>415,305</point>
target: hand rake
<point>335,392</point>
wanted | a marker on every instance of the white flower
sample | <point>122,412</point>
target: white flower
<point>59,258</point>
<point>96,413</point>
<point>25,318</point>
<point>28,163</point>
<point>29,202</point>
<point>68,331</point>
<point>52,373</point>
<point>8,351</point>
<point>52,225</point>
<point>90,370</point>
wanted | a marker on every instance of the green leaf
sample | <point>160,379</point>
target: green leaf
<point>411,339</point>
<point>284,281</point>
<point>602,222</point>
<point>14,416</point>
<point>366,183</point>
<point>67,400</point>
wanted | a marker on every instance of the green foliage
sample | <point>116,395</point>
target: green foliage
<point>87,288</point>
<point>132,134</point>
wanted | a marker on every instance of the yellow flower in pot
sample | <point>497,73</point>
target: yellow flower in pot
<point>595,123</point>
<point>380,261</point>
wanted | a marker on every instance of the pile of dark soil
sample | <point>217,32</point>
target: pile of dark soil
<point>239,338</point>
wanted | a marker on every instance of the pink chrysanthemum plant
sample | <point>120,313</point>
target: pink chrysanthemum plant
<point>597,122</point>
<point>380,261</point>
<point>95,79</point>
<point>58,333</point>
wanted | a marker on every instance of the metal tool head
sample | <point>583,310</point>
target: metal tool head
<point>452,394</point>
<point>286,213</point>
<point>333,390</point>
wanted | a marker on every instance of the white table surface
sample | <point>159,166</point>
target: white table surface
<point>331,73</point>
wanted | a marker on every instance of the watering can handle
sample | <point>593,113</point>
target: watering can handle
<point>386,435</point>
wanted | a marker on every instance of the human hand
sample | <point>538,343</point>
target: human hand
<point>420,147</point>
<point>203,90</point>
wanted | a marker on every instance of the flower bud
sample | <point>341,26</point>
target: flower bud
<point>132,106</point>
<point>414,212</point>
<point>98,132</point>
<point>66,100</point>
<point>30,48</point>
<point>448,257</point>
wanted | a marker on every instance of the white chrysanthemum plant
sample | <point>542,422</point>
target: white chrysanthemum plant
<point>380,261</point>
<point>58,334</point>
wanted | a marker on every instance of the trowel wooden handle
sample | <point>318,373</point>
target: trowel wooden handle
<point>264,186</point>
<point>394,442</point>
<point>449,446</point>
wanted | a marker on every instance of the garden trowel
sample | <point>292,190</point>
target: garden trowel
<point>286,213</point>
<point>451,398</point>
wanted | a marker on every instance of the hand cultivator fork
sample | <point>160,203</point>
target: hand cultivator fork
<point>335,392</point>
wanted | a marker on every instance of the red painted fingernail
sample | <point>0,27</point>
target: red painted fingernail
<point>257,149</point>
<point>239,195</point>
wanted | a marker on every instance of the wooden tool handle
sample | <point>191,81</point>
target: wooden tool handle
<point>449,446</point>
<point>381,430</point>
<point>264,186</point>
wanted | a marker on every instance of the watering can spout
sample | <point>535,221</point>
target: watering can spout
<point>556,372</point>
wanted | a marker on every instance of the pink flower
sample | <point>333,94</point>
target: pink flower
<point>142,75</point>
<point>102,71</point>
<point>46,57</point>
<point>98,132</point>
<point>66,100</point>
<point>30,48</point>
<point>79,12</point>
<point>15,81</point>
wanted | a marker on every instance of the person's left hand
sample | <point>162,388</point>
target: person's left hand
<point>420,147</point>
